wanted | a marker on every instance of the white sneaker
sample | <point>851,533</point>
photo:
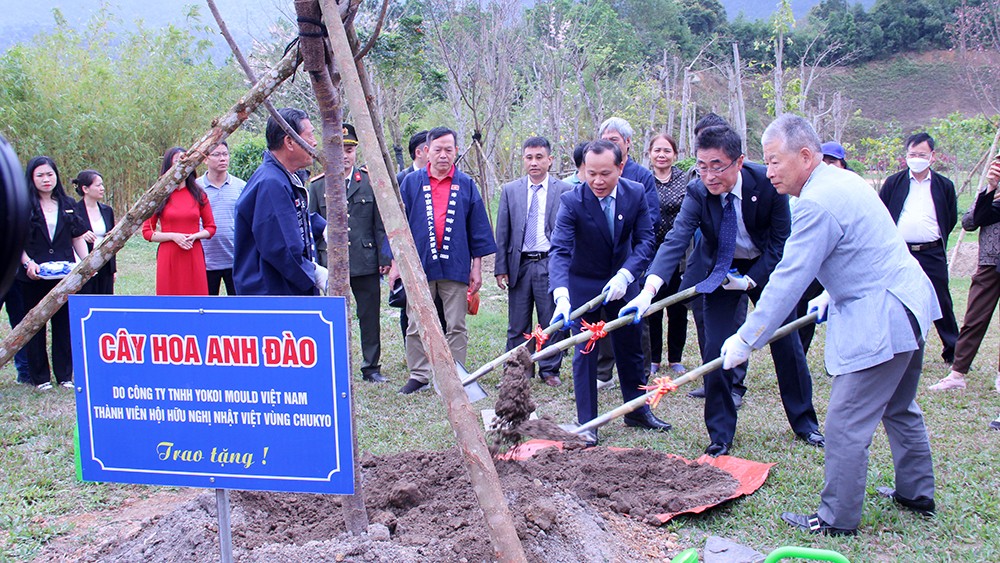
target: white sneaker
<point>44,386</point>
<point>954,380</point>
<point>609,384</point>
<point>67,384</point>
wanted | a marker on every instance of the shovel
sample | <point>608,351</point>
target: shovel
<point>476,392</point>
<point>588,429</point>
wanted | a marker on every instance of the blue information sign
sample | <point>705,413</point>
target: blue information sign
<point>217,392</point>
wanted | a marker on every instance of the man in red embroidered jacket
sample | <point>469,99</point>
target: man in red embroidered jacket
<point>452,233</point>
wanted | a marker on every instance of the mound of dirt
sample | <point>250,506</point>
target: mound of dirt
<point>568,506</point>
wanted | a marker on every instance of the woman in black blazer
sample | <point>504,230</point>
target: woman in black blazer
<point>98,219</point>
<point>54,234</point>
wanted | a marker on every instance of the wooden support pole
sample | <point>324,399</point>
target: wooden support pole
<point>114,241</point>
<point>328,99</point>
<point>464,422</point>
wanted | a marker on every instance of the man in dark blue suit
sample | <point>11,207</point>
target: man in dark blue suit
<point>744,223</point>
<point>603,240</point>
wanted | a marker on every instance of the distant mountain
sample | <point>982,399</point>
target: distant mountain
<point>762,9</point>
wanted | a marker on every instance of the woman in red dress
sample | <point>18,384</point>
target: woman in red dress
<point>185,218</point>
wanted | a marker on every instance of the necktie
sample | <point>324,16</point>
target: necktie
<point>727,246</point>
<point>531,225</point>
<point>609,214</point>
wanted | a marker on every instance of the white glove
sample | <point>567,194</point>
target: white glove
<point>819,305</point>
<point>735,281</point>
<point>637,306</point>
<point>320,277</point>
<point>734,352</point>
<point>616,288</point>
<point>562,311</point>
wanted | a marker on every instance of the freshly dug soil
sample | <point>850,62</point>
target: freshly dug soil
<point>422,508</point>
<point>514,407</point>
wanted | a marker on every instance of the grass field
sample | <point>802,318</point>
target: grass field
<point>39,485</point>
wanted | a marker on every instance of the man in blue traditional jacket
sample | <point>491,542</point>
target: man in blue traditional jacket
<point>452,233</point>
<point>272,240</point>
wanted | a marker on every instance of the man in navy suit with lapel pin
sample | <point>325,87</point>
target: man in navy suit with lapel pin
<point>744,223</point>
<point>525,220</point>
<point>603,240</point>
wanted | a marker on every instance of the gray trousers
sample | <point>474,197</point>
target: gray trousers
<point>858,401</point>
<point>530,293</point>
<point>453,297</point>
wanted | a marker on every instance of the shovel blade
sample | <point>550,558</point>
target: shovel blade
<point>473,390</point>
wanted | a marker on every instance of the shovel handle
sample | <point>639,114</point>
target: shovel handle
<point>689,376</point>
<point>551,329</point>
<point>584,336</point>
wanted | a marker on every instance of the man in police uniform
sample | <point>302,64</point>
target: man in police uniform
<point>365,233</point>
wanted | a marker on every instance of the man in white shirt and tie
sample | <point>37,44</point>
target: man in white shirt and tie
<point>525,220</point>
<point>925,208</point>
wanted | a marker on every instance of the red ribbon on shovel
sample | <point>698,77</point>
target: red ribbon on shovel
<point>539,335</point>
<point>598,333</point>
<point>662,386</point>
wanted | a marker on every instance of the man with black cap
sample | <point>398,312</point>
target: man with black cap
<point>365,233</point>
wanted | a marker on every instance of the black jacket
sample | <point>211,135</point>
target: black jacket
<point>109,222</point>
<point>59,248</point>
<point>897,187</point>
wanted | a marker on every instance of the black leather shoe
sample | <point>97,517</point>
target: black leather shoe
<point>737,400</point>
<point>813,438</point>
<point>412,386</point>
<point>374,377</point>
<point>552,380</point>
<point>647,420</point>
<point>813,524</point>
<point>923,506</point>
<point>698,393</point>
<point>715,449</point>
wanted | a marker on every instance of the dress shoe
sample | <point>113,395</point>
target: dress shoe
<point>715,449</point>
<point>647,420</point>
<point>813,524</point>
<point>552,380</point>
<point>995,425</point>
<point>923,505</point>
<point>654,369</point>
<point>698,393</point>
<point>412,386</point>
<point>374,377</point>
<point>954,380</point>
<point>678,368</point>
<point>813,438</point>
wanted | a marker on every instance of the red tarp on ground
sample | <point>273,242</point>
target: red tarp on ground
<point>750,474</point>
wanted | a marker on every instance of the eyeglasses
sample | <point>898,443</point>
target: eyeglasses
<point>702,170</point>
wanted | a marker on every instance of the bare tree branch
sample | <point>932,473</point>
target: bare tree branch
<point>378,29</point>
<point>250,75</point>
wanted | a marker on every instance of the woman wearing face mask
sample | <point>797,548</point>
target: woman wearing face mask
<point>98,219</point>
<point>54,234</point>
<point>671,184</point>
<point>184,219</point>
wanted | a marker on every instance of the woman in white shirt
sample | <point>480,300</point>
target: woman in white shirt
<point>98,219</point>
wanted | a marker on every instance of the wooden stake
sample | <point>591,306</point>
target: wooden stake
<point>464,422</point>
<point>114,241</point>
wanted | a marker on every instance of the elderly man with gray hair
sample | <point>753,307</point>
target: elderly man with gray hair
<point>880,306</point>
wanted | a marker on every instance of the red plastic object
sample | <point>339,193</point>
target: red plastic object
<point>473,302</point>
<point>750,474</point>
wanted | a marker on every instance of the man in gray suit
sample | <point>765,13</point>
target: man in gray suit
<point>881,305</point>
<point>525,220</point>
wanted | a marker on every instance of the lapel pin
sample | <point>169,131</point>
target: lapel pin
<point>620,217</point>
<point>753,198</point>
